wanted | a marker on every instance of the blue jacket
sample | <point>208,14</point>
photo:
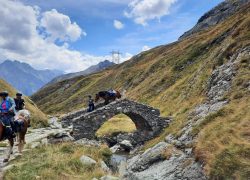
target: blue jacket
<point>12,104</point>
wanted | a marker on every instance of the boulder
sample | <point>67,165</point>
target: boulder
<point>53,122</point>
<point>104,167</point>
<point>116,148</point>
<point>125,144</point>
<point>87,142</point>
<point>109,178</point>
<point>150,156</point>
<point>59,137</point>
<point>153,165</point>
<point>85,160</point>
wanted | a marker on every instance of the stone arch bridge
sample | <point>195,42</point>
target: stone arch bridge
<point>146,119</point>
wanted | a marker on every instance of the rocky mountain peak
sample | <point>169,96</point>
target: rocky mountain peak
<point>216,15</point>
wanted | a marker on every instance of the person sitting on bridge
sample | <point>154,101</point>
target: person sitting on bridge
<point>91,104</point>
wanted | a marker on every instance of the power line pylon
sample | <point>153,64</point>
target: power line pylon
<point>116,56</point>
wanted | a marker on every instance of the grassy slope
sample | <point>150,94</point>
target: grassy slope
<point>58,162</point>
<point>38,117</point>
<point>174,79</point>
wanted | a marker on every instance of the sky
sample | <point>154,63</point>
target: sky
<point>71,35</point>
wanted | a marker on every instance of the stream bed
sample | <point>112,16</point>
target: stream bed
<point>117,159</point>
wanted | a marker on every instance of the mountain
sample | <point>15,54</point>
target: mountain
<point>216,15</point>
<point>24,77</point>
<point>38,118</point>
<point>92,69</point>
<point>202,81</point>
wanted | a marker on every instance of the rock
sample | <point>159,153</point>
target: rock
<point>44,141</point>
<point>53,122</point>
<point>125,144</point>
<point>116,148</point>
<point>104,167</point>
<point>60,134</point>
<point>141,162</point>
<point>170,139</point>
<point>87,142</point>
<point>215,16</point>
<point>38,177</point>
<point>94,179</point>
<point>59,137</point>
<point>85,160</point>
<point>177,166</point>
<point>35,145</point>
<point>188,151</point>
<point>109,178</point>
<point>7,168</point>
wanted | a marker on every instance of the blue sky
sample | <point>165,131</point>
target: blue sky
<point>98,36</point>
<point>96,18</point>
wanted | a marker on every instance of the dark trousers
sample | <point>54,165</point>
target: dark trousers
<point>91,107</point>
<point>8,121</point>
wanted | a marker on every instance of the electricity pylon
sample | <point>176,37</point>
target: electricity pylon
<point>116,56</point>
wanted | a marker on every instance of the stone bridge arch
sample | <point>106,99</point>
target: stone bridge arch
<point>146,119</point>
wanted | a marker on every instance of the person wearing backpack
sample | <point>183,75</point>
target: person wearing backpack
<point>7,112</point>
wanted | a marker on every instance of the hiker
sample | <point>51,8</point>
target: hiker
<point>7,111</point>
<point>20,103</point>
<point>91,104</point>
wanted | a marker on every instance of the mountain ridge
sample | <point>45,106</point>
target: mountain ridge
<point>215,16</point>
<point>92,69</point>
<point>24,77</point>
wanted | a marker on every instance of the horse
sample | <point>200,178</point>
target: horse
<point>107,96</point>
<point>22,116</point>
<point>11,141</point>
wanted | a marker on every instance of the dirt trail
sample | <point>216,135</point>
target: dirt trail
<point>34,137</point>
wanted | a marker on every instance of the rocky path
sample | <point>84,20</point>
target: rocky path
<point>34,138</point>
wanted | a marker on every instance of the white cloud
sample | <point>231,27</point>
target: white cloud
<point>59,26</point>
<point>21,39</point>
<point>144,10</point>
<point>145,48</point>
<point>118,24</point>
<point>17,29</point>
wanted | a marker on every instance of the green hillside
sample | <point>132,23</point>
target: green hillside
<point>174,78</point>
<point>38,118</point>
